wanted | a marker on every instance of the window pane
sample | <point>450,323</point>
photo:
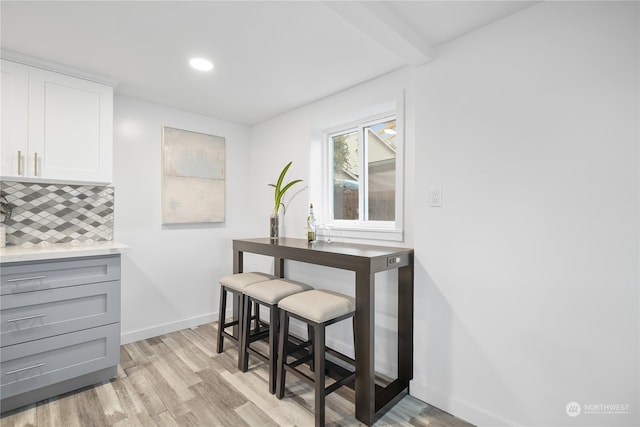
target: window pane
<point>346,173</point>
<point>381,164</point>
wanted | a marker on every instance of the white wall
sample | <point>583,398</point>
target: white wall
<point>169,276</point>
<point>529,272</point>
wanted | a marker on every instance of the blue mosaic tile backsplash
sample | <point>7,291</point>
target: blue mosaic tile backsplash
<point>58,213</point>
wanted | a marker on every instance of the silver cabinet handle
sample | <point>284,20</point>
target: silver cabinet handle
<point>15,371</point>
<point>35,164</point>
<point>35,316</point>
<point>19,163</point>
<point>22,279</point>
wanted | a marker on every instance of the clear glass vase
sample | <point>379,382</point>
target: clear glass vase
<point>274,226</point>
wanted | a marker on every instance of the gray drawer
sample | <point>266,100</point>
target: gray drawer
<point>37,275</point>
<point>37,364</point>
<point>33,315</point>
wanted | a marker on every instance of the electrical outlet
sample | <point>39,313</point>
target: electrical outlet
<point>435,196</point>
<point>392,260</point>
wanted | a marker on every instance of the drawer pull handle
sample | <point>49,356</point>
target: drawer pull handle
<point>15,371</point>
<point>22,279</point>
<point>35,316</point>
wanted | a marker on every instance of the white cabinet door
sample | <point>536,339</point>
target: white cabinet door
<point>14,89</point>
<point>70,128</point>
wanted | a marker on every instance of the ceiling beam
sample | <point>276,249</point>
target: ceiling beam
<point>380,23</point>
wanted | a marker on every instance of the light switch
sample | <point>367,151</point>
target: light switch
<point>435,197</point>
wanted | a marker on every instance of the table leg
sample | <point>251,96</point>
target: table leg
<point>278,267</point>
<point>238,261</point>
<point>364,347</point>
<point>405,323</point>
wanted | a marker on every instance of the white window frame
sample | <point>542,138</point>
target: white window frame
<point>363,229</point>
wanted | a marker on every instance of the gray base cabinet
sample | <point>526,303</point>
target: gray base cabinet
<point>59,326</point>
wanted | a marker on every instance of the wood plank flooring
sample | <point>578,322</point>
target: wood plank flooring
<point>178,379</point>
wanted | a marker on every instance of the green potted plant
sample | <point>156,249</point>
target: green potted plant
<point>279,190</point>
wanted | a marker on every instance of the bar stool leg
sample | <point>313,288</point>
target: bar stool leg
<point>319,362</point>
<point>282,353</point>
<point>274,323</point>
<point>245,321</point>
<point>310,337</point>
<point>222,318</point>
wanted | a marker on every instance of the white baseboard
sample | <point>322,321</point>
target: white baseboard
<point>457,407</point>
<point>166,328</point>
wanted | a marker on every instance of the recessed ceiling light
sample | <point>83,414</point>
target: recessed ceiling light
<point>201,64</point>
<point>390,131</point>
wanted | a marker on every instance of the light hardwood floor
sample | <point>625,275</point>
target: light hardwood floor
<point>178,379</point>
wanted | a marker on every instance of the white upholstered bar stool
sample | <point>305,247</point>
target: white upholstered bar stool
<point>235,284</point>
<point>267,294</point>
<point>318,309</point>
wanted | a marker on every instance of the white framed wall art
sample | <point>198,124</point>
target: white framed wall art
<point>193,177</point>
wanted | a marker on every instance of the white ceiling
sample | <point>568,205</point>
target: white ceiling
<point>270,57</point>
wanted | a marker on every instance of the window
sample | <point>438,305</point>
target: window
<point>363,191</point>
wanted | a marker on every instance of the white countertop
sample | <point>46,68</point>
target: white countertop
<point>60,250</point>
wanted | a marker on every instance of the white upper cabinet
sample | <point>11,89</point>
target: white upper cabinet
<point>15,118</point>
<point>69,126</point>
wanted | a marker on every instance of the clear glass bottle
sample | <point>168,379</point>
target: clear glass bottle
<point>311,225</point>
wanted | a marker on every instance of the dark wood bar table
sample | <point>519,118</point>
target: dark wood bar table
<point>372,400</point>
